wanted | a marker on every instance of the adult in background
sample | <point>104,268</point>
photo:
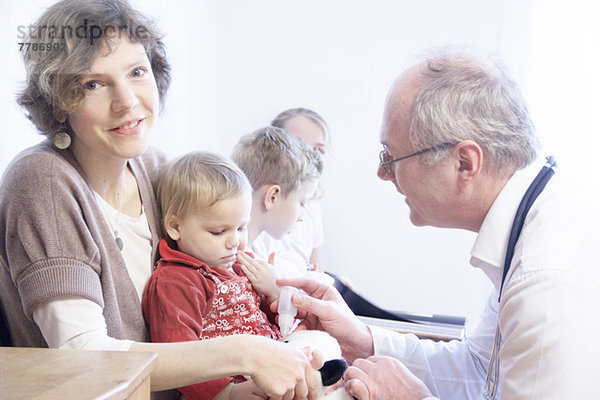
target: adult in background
<point>459,145</point>
<point>79,222</point>
<point>302,245</point>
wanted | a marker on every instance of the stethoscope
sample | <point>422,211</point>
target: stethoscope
<point>493,373</point>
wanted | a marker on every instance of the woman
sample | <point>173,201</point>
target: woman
<point>79,220</point>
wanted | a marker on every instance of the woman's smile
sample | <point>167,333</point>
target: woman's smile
<point>130,128</point>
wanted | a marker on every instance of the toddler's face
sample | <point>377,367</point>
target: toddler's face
<point>287,211</point>
<point>214,235</point>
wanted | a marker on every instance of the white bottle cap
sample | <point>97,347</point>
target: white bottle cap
<point>286,310</point>
<point>286,321</point>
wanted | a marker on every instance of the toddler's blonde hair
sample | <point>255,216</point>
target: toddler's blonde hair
<point>198,179</point>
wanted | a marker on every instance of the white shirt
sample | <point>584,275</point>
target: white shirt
<point>293,251</point>
<point>549,315</point>
<point>261,247</point>
<point>137,243</point>
<point>297,246</point>
<point>78,323</point>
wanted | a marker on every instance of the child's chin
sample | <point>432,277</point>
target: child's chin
<point>228,265</point>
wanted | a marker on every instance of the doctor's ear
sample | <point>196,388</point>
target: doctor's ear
<point>172,227</point>
<point>271,195</point>
<point>470,159</point>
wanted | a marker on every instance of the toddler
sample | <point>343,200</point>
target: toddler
<point>198,290</point>
<point>204,285</point>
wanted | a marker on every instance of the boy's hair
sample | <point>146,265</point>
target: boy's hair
<point>198,179</point>
<point>272,156</point>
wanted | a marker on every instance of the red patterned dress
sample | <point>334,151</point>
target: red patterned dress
<point>186,299</point>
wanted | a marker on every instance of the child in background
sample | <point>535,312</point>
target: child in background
<point>302,246</point>
<point>197,290</point>
<point>284,173</point>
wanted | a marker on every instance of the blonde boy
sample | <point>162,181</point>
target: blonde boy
<point>283,172</point>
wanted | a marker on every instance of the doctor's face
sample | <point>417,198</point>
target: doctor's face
<point>426,188</point>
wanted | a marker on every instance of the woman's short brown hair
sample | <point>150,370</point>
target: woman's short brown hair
<point>71,33</point>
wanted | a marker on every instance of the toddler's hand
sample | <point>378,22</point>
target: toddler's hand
<point>261,275</point>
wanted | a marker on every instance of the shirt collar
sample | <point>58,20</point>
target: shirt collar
<point>489,251</point>
<point>171,255</point>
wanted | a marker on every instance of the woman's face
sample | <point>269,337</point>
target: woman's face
<point>121,101</point>
<point>308,131</point>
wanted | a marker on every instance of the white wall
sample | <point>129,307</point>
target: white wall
<point>236,64</point>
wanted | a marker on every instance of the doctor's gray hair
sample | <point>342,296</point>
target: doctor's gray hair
<point>468,97</point>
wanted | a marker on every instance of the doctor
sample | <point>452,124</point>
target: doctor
<point>459,146</point>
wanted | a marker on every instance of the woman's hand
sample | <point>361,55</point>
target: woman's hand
<point>260,274</point>
<point>382,378</point>
<point>282,371</point>
<point>325,309</point>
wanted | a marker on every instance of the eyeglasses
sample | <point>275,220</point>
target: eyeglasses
<point>385,160</point>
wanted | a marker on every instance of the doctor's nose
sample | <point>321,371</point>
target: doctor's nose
<point>383,174</point>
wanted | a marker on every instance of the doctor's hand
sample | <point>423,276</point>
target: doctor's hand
<point>325,309</point>
<point>382,378</point>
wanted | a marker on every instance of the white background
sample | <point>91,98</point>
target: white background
<point>238,63</point>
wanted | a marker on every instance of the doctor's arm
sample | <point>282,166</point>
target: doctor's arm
<point>450,370</point>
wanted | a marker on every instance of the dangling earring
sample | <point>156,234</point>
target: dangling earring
<point>61,139</point>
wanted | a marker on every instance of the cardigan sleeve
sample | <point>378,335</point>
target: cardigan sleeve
<point>49,245</point>
<point>174,302</point>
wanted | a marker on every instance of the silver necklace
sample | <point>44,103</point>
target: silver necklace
<point>118,239</point>
<point>103,203</point>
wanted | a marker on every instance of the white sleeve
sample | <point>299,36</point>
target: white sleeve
<point>76,323</point>
<point>451,370</point>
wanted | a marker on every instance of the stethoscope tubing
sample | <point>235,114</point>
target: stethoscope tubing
<point>533,191</point>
